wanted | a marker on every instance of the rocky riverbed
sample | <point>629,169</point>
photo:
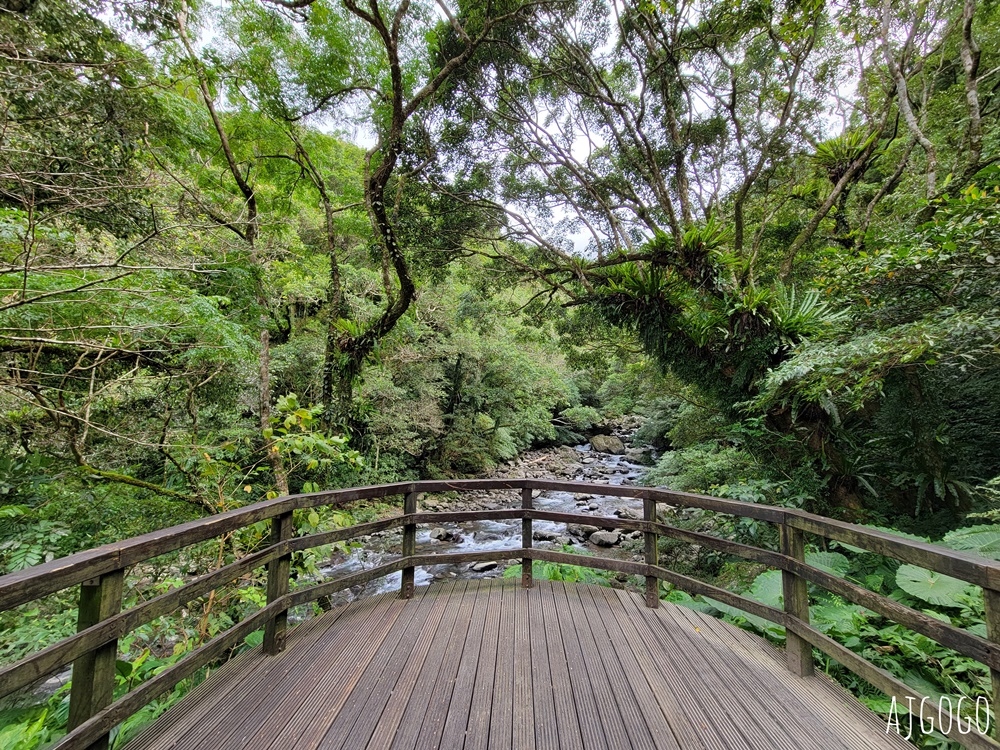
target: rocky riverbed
<point>606,459</point>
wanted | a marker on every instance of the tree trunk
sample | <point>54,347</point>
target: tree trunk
<point>273,456</point>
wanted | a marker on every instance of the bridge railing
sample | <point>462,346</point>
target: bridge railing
<point>100,573</point>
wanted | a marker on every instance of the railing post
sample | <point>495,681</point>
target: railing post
<point>652,555</point>
<point>409,546</point>
<point>991,598</point>
<point>527,574</point>
<point>798,652</point>
<point>93,685</point>
<point>278,571</point>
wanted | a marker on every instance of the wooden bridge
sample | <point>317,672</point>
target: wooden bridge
<point>492,664</point>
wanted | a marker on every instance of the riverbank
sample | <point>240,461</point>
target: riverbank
<point>624,466</point>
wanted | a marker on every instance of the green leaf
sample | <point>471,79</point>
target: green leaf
<point>837,617</point>
<point>930,586</point>
<point>766,588</point>
<point>983,540</point>
<point>831,562</point>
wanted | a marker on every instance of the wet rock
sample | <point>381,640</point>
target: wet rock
<point>445,535</point>
<point>640,457</point>
<point>605,538</point>
<point>482,567</point>
<point>545,535</point>
<point>564,540</point>
<point>486,536</point>
<point>607,444</point>
<point>584,498</point>
<point>593,506</point>
<point>581,530</point>
<point>627,513</point>
<point>566,453</point>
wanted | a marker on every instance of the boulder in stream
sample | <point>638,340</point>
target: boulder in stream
<point>607,444</point>
<point>605,538</point>
<point>445,535</point>
<point>581,530</point>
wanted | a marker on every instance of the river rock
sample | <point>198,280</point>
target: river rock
<point>627,513</point>
<point>607,444</point>
<point>445,535</point>
<point>545,535</point>
<point>605,538</point>
<point>581,530</point>
<point>593,506</point>
<point>482,567</point>
<point>640,457</point>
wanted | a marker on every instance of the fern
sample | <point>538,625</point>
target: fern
<point>802,315</point>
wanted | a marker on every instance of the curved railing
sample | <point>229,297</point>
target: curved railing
<point>100,573</point>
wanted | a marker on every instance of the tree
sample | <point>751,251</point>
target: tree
<point>100,295</point>
<point>688,151</point>
<point>302,61</point>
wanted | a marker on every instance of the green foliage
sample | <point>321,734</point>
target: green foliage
<point>561,572</point>
<point>294,436</point>
<point>25,540</point>
<point>702,468</point>
<point>581,417</point>
<point>25,730</point>
<point>983,540</point>
<point>785,345</point>
<point>915,659</point>
<point>930,586</point>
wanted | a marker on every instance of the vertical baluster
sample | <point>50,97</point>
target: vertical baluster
<point>798,652</point>
<point>278,571</point>
<point>94,673</point>
<point>409,545</point>
<point>992,601</point>
<point>652,555</point>
<point>527,575</point>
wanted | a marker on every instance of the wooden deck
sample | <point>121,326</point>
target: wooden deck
<point>487,664</point>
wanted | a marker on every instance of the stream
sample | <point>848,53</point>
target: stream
<point>580,463</point>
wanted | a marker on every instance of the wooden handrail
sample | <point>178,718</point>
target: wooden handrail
<point>92,649</point>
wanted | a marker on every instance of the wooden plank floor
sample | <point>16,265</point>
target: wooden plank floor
<point>486,664</point>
